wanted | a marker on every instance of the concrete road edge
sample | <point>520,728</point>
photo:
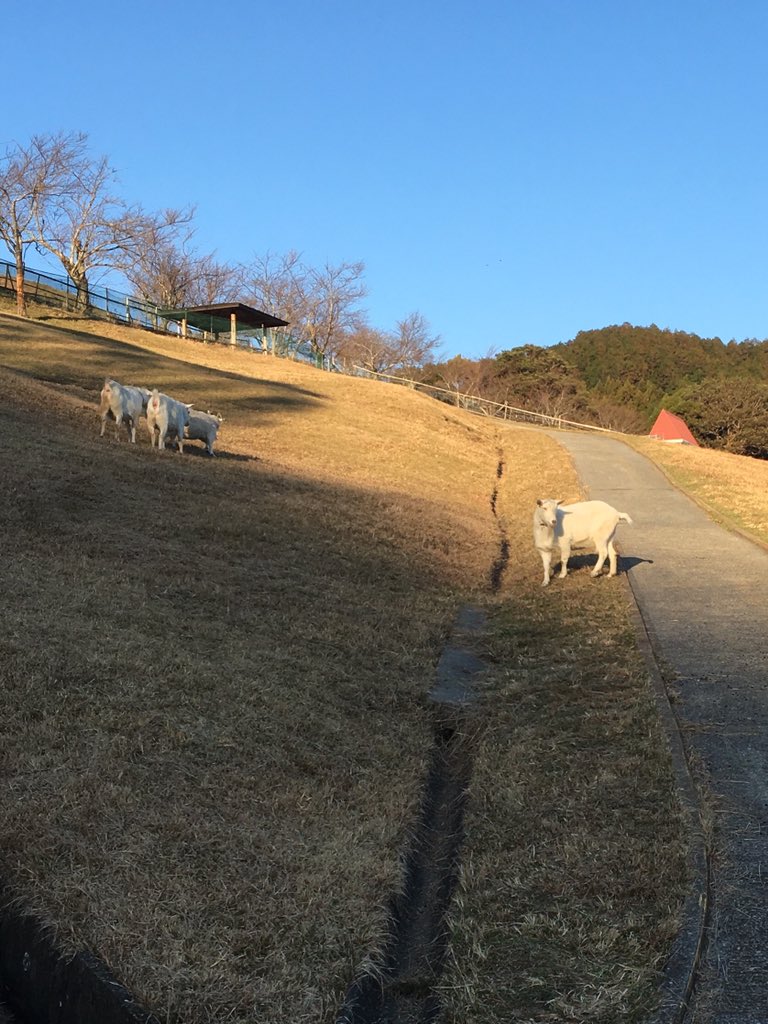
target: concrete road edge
<point>679,972</point>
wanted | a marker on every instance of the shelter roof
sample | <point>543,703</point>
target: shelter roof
<point>670,427</point>
<point>203,316</point>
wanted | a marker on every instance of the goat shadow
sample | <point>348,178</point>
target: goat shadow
<point>198,451</point>
<point>623,564</point>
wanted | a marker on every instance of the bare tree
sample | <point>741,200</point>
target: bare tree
<point>414,344</point>
<point>213,281</point>
<point>277,284</point>
<point>164,270</point>
<point>84,224</point>
<point>321,305</point>
<point>29,177</point>
<point>368,348</point>
<point>405,349</point>
<point>331,305</point>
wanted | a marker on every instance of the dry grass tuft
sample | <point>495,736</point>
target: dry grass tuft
<point>212,690</point>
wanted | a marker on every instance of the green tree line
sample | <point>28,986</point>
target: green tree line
<point>622,376</point>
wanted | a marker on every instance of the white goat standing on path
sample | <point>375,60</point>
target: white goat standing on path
<point>565,526</point>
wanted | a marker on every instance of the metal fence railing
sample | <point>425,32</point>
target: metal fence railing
<point>59,291</point>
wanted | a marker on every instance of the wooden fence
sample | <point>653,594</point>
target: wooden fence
<point>484,406</point>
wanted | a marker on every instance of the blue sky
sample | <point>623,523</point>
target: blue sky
<point>515,171</point>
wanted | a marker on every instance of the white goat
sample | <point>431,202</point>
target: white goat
<point>203,426</point>
<point>166,419</point>
<point>564,526</point>
<point>122,402</point>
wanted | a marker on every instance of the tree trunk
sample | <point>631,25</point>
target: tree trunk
<point>21,301</point>
<point>82,298</point>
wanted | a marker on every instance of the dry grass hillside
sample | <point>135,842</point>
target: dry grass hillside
<point>212,693</point>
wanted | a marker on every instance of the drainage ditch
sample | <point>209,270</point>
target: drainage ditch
<point>401,988</point>
<point>402,985</point>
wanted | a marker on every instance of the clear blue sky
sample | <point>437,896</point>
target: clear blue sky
<point>515,170</point>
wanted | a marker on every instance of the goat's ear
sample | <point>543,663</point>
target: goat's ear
<point>539,502</point>
<point>559,501</point>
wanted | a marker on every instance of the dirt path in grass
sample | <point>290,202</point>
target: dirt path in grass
<point>703,593</point>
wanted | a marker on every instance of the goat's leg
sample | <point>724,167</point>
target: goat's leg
<point>546,558</point>
<point>602,554</point>
<point>612,559</point>
<point>565,554</point>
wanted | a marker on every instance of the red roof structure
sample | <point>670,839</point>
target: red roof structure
<point>669,427</point>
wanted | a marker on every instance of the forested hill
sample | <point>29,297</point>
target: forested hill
<point>666,359</point>
<point>720,389</point>
<point>622,376</point>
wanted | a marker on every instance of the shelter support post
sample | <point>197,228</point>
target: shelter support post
<point>232,329</point>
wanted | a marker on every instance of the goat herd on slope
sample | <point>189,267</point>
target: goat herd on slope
<point>555,525</point>
<point>167,418</point>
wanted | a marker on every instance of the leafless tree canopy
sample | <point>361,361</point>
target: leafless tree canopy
<point>164,269</point>
<point>55,195</point>
<point>84,224</point>
<point>415,344</point>
<point>277,284</point>
<point>322,305</point>
<point>30,177</point>
<point>408,347</point>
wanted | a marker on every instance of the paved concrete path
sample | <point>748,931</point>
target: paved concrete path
<point>703,593</point>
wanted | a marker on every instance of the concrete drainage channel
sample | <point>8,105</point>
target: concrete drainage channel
<point>400,989</point>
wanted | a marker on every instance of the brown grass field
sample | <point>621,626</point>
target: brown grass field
<point>213,715</point>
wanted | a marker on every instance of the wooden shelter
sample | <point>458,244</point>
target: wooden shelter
<point>222,317</point>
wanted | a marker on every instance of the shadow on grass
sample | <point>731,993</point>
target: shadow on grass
<point>105,357</point>
<point>203,661</point>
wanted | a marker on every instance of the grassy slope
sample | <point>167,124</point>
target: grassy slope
<point>213,717</point>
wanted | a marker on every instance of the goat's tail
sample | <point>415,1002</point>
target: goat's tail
<point>623,517</point>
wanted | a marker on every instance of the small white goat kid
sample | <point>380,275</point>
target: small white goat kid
<point>567,526</point>
<point>203,426</point>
